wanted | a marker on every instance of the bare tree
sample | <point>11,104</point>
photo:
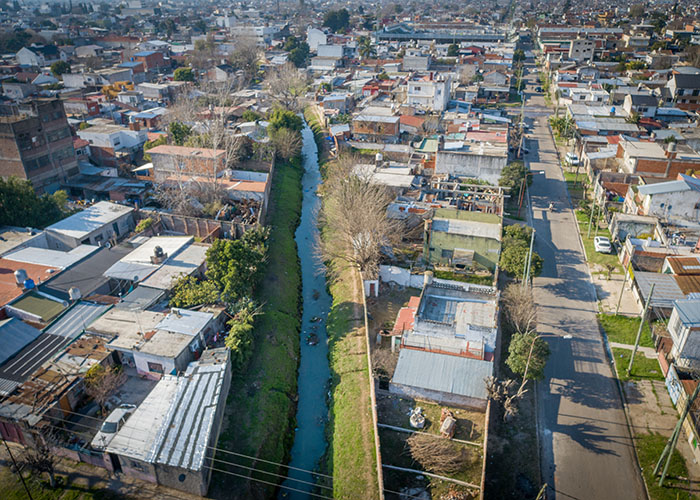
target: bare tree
<point>245,56</point>
<point>101,383</point>
<point>40,458</point>
<point>196,181</point>
<point>286,85</point>
<point>287,143</point>
<point>520,308</point>
<point>354,214</point>
<point>438,455</point>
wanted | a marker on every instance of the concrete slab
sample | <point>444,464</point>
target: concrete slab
<point>608,292</point>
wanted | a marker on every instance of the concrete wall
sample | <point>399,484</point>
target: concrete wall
<point>438,397</point>
<point>400,276</point>
<point>487,168</point>
<point>683,204</point>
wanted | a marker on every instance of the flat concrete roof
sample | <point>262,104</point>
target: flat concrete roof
<point>92,218</point>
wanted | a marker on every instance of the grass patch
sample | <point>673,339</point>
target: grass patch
<point>465,278</point>
<point>643,369</point>
<point>351,458</point>
<point>12,488</point>
<point>623,329</point>
<point>575,186</point>
<point>260,407</point>
<point>600,259</point>
<point>649,448</point>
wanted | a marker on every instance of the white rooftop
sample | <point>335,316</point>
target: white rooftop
<point>92,218</point>
<point>52,258</point>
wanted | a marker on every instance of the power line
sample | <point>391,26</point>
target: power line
<point>212,447</point>
<point>253,469</point>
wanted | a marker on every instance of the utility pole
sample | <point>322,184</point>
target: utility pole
<point>529,258</point>
<point>622,290</point>
<point>641,326</point>
<point>671,443</point>
<point>597,221</point>
<point>19,473</point>
<point>590,222</point>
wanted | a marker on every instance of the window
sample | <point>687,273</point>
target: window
<point>447,254</point>
<point>417,89</point>
<point>155,367</point>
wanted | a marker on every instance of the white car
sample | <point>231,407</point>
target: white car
<point>572,159</point>
<point>602,244</point>
<point>111,426</point>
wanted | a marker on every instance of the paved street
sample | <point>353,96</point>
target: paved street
<point>586,449</point>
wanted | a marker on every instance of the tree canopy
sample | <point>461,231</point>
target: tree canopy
<point>21,206</point>
<point>60,67</point>
<point>515,249</point>
<point>453,50</point>
<point>521,344</point>
<point>336,20</point>
<point>183,75</point>
<point>282,118</point>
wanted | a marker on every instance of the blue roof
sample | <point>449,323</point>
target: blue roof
<point>144,53</point>
<point>15,335</point>
<point>130,64</point>
<point>688,311</point>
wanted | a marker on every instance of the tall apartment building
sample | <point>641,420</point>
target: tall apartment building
<point>36,143</point>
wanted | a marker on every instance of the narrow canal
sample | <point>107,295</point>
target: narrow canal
<point>310,440</point>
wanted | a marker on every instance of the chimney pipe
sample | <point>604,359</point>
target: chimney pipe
<point>670,154</point>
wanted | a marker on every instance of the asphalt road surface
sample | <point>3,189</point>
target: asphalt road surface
<point>586,448</point>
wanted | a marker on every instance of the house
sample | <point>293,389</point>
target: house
<point>341,102</point>
<point>155,343</point>
<point>416,60</point>
<point>315,38</point>
<point>89,51</point>
<point>176,161</point>
<point>463,239</point>
<point>379,128</point>
<point>95,225</point>
<point>684,327</point>
<point>39,55</point>
<point>483,161</point>
<point>581,49</point>
<point>643,105</point>
<point>652,160</point>
<point>429,92</point>
<point>448,344</point>
<point>152,60</point>
<point>171,437</point>
<point>679,199</point>
<point>685,89</point>
<point>109,142</point>
<point>220,73</point>
<point>496,78</point>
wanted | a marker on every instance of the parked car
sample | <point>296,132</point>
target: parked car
<point>572,159</point>
<point>538,89</point>
<point>602,244</point>
<point>111,426</point>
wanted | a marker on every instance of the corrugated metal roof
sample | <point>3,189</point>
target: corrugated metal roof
<point>141,298</point>
<point>73,322</point>
<point>14,336</point>
<point>688,311</point>
<point>441,372</point>
<point>666,290</point>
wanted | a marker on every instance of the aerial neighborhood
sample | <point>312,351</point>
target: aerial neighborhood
<point>370,250</point>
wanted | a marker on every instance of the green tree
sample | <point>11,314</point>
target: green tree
<point>365,47</point>
<point>336,20</point>
<point>20,205</point>
<point>524,346</point>
<point>282,118</point>
<point>183,75</point>
<point>512,177</point>
<point>163,139</point>
<point>518,55</point>
<point>200,25</point>
<point>179,132</point>
<point>250,116</point>
<point>188,292</point>
<point>299,55</point>
<point>453,50</point>
<point>235,266</point>
<point>515,247</point>
<point>60,67</point>
<point>240,335</point>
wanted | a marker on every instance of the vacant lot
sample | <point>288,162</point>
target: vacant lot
<point>623,329</point>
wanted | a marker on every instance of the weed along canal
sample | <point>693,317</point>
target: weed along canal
<point>310,440</point>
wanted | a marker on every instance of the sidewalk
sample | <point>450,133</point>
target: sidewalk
<point>649,352</point>
<point>651,411</point>
<point>609,294</point>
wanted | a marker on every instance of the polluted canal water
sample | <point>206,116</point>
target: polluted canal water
<point>314,372</point>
